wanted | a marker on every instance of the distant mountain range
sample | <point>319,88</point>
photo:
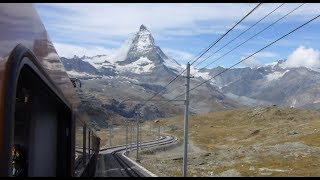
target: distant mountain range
<point>140,69</point>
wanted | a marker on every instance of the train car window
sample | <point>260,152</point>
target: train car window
<point>41,120</point>
<point>88,144</point>
<point>78,146</point>
<point>92,144</point>
<point>39,123</point>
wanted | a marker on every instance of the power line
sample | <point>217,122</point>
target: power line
<point>203,53</point>
<point>177,87</point>
<point>171,90</point>
<point>240,34</point>
<point>253,36</point>
<point>226,33</point>
<point>251,55</point>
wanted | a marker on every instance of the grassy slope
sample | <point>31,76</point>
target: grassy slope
<point>253,137</point>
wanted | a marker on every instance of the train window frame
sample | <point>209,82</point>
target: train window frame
<point>82,161</point>
<point>87,146</point>
<point>21,57</point>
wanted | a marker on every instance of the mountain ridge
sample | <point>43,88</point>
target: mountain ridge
<point>140,69</point>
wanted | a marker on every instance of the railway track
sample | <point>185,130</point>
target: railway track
<point>113,163</point>
<point>125,165</point>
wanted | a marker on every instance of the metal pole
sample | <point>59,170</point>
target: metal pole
<point>131,134</point>
<point>89,143</point>
<point>153,136</point>
<point>186,118</point>
<point>151,130</point>
<point>84,145</point>
<point>140,135</point>
<point>110,132</point>
<point>126,136</point>
<point>137,159</point>
<point>140,129</point>
<point>158,135</point>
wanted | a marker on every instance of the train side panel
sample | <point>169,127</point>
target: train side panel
<point>39,107</point>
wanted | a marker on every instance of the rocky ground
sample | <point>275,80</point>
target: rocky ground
<point>261,141</point>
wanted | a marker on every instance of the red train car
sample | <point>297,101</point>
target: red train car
<point>39,107</point>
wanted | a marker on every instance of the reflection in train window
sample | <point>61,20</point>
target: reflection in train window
<point>91,143</point>
<point>78,146</point>
<point>40,119</point>
<point>88,144</point>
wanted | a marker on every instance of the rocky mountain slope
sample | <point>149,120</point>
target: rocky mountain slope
<point>135,73</point>
<point>139,69</point>
<point>258,141</point>
<point>271,84</point>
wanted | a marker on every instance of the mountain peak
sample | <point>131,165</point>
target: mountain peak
<point>143,41</point>
<point>143,52</point>
<point>76,57</point>
<point>143,28</point>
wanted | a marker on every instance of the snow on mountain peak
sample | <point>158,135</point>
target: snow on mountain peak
<point>143,40</point>
<point>138,54</point>
<point>142,65</point>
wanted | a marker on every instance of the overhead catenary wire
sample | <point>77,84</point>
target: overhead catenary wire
<point>205,51</point>
<point>241,34</point>
<point>253,36</point>
<point>243,43</point>
<point>226,33</point>
<point>171,90</point>
<point>250,55</point>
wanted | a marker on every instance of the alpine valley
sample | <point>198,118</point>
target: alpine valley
<point>115,86</point>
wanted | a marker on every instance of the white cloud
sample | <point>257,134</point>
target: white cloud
<point>303,56</point>
<point>106,25</point>
<point>121,53</point>
<point>122,19</point>
<point>69,50</point>
<point>181,56</point>
<point>114,19</point>
<point>266,54</point>
<point>251,62</point>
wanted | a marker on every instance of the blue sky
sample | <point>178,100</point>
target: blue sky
<point>183,30</point>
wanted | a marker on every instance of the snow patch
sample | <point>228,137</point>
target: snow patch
<point>197,73</point>
<point>272,64</point>
<point>130,79</point>
<point>96,61</point>
<point>142,65</point>
<point>275,75</point>
<point>145,42</point>
<point>107,77</point>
